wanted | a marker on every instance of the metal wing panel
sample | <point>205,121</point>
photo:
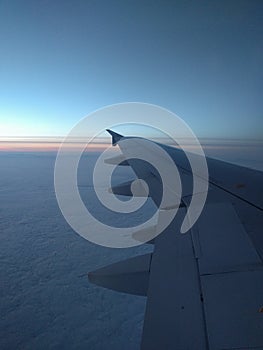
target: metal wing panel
<point>174,314</point>
<point>225,245</point>
<point>231,274</point>
<point>233,303</point>
<point>242,182</point>
<point>245,183</point>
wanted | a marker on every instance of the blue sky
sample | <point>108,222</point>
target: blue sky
<point>60,60</point>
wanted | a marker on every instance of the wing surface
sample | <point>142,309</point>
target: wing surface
<point>204,288</point>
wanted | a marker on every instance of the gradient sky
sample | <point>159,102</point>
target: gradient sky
<point>60,60</point>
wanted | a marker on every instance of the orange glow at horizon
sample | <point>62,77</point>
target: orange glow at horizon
<point>38,145</point>
<point>23,146</point>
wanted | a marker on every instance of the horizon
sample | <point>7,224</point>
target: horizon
<point>246,153</point>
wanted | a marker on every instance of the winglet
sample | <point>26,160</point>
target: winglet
<point>115,136</point>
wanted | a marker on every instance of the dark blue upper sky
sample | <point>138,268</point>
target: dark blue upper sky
<point>61,60</point>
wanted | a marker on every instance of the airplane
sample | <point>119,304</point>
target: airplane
<point>204,288</point>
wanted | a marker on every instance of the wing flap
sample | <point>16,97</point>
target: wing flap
<point>174,314</point>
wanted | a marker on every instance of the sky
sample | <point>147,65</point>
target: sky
<point>61,60</point>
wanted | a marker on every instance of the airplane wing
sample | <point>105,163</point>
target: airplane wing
<point>204,288</point>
